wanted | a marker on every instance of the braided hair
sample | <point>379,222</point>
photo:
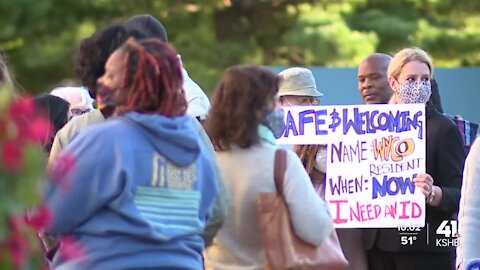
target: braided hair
<point>307,154</point>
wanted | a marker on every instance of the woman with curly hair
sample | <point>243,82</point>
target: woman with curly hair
<point>141,185</point>
<point>245,96</point>
<point>90,58</point>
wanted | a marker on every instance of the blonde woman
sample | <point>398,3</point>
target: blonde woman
<point>409,75</point>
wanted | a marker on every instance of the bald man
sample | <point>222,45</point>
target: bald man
<point>372,79</point>
<point>374,87</point>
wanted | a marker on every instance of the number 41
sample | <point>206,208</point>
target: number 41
<point>448,230</point>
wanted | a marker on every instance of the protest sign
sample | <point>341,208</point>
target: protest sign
<point>374,152</point>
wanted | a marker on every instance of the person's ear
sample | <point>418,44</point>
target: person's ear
<point>392,81</point>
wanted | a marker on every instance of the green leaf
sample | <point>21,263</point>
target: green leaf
<point>6,95</point>
<point>27,191</point>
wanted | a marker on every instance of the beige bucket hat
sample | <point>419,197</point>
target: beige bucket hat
<point>298,81</point>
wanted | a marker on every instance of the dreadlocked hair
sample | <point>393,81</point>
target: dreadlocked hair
<point>153,78</point>
<point>307,154</point>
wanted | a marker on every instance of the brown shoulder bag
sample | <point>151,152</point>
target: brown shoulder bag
<point>283,248</point>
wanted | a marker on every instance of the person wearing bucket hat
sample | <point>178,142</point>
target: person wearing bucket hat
<point>298,88</point>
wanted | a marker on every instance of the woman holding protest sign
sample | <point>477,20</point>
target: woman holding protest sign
<point>244,98</point>
<point>409,75</point>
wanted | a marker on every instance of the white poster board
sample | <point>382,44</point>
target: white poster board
<point>374,152</point>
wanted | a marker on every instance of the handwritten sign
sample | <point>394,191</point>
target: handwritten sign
<point>374,153</point>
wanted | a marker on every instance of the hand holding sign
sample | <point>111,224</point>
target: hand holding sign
<point>424,182</point>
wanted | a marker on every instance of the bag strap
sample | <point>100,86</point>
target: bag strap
<point>280,166</point>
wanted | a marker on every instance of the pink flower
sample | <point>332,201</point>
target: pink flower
<point>39,129</point>
<point>3,128</point>
<point>20,128</point>
<point>40,218</point>
<point>12,155</point>
<point>70,248</point>
<point>31,123</point>
<point>24,106</point>
<point>61,170</point>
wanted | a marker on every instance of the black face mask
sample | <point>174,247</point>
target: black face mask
<point>105,96</point>
<point>274,120</point>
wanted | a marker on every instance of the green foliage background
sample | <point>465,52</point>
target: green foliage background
<point>39,37</point>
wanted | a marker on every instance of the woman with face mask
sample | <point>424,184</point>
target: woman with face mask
<point>409,75</point>
<point>237,124</point>
<point>139,187</point>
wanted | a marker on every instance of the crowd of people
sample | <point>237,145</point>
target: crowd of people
<point>159,178</point>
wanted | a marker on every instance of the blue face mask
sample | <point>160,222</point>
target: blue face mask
<point>274,120</point>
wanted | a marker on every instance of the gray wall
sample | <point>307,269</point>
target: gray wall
<point>459,88</point>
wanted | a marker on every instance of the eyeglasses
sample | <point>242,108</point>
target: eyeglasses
<point>301,101</point>
<point>77,111</point>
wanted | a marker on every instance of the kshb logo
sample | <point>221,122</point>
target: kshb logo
<point>449,230</point>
